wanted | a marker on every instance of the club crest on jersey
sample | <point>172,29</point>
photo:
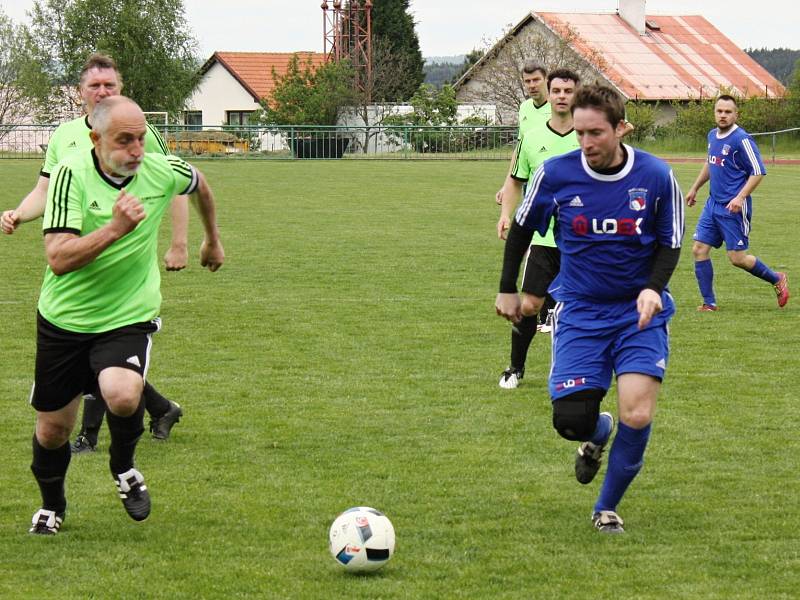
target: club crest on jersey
<point>637,199</point>
<point>726,149</point>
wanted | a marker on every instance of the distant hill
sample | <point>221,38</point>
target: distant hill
<point>446,69</point>
<point>439,73</point>
<point>780,62</point>
<point>449,60</point>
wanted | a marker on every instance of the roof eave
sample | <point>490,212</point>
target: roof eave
<point>499,44</point>
<point>217,58</point>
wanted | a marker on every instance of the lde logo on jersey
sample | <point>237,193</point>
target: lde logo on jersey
<point>637,199</point>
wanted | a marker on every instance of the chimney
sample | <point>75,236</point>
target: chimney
<point>632,11</point>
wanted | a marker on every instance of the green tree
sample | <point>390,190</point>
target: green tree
<point>793,93</point>
<point>150,40</point>
<point>470,59</point>
<point>434,107</point>
<point>18,73</point>
<point>308,96</point>
<point>396,43</point>
<point>778,61</point>
<point>643,116</point>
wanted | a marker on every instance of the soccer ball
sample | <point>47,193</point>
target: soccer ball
<point>361,539</point>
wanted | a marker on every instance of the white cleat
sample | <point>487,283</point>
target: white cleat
<point>510,378</point>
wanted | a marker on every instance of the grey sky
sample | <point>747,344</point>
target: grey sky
<point>448,27</point>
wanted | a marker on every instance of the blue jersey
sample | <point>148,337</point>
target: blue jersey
<point>607,226</point>
<point>732,159</point>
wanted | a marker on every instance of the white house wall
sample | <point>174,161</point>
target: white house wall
<point>218,93</point>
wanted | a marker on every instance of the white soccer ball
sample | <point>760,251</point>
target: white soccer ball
<point>361,539</point>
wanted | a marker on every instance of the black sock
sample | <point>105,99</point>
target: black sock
<point>157,406</point>
<point>94,409</point>
<point>521,336</point>
<point>125,432</point>
<point>50,470</point>
<point>549,304</point>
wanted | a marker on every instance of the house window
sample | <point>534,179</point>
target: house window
<point>238,117</point>
<point>193,119</point>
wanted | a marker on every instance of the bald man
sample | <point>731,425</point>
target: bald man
<point>101,298</point>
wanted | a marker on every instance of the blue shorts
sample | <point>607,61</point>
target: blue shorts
<point>592,341</point>
<point>718,224</point>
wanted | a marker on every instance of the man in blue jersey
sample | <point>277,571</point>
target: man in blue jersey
<point>735,169</point>
<point>619,226</point>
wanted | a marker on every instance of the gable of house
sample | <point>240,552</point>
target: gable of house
<point>234,83</point>
<point>254,70</point>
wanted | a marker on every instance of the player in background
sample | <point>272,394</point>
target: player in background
<point>735,169</point>
<point>101,298</point>
<point>100,78</point>
<point>533,112</point>
<point>541,267</point>
<point>619,226</point>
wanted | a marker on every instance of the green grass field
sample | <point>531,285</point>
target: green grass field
<point>348,354</point>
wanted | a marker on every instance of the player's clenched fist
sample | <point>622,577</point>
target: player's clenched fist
<point>9,221</point>
<point>127,213</point>
<point>212,255</point>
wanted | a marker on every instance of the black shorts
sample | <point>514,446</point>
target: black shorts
<point>68,363</point>
<point>541,268</point>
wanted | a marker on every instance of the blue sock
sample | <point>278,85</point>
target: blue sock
<point>624,462</point>
<point>764,272</point>
<point>601,431</point>
<point>704,271</point>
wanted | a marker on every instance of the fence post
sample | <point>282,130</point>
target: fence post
<point>774,136</point>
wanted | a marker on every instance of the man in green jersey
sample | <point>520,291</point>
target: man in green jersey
<point>99,78</point>
<point>533,112</point>
<point>101,297</point>
<point>557,137</point>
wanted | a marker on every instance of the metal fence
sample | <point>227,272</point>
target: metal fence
<point>458,142</point>
<point>785,135</point>
<point>303,142</point>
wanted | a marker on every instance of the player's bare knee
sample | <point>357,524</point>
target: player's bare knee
<point>122,398</point>
<point>740,259</point>
<point>51,434</point>
<point>121,389</point>
<point>637,419</point>
<point>531,305</point>
<point>123,403</point>
<point>575,416</point>
<point>700,251</point>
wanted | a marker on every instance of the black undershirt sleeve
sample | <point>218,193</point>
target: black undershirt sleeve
<point>517,243</point>
<point>664,262</point>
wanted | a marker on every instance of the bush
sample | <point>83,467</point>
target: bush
<point>426,127</point>
<point>643,117</point>
<point>308,96</point>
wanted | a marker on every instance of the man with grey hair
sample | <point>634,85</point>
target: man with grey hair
<point>101,298</point>
<point>100,78</point>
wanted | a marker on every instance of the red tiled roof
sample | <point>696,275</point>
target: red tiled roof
<point>254,69</point>
<point>686,58</point>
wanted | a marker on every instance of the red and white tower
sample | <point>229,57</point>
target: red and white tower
<point>347,34</point>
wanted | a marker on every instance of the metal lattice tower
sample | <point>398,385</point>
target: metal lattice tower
<point>347,34</point>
